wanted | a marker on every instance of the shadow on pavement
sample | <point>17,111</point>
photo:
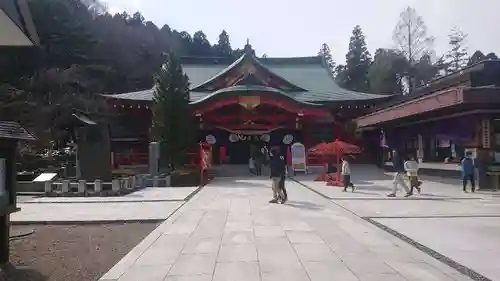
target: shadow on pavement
<point>304,205</point>
<point>11,273</point>
<point>372,187</point>
<point>238,182</point>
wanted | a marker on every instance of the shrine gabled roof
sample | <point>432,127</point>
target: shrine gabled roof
<point>12,130</point>
<point>17,27</point>
<point>311,81</point>
<point>242,90</point>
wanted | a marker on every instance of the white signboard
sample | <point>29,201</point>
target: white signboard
<point>210,139</point>
<point>299,157</point>
<point>45,177</point>
<point>3,187</point>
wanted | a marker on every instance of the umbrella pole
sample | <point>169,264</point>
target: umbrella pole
<point>337,175</point>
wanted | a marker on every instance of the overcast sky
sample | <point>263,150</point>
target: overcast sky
<point>298,28</point>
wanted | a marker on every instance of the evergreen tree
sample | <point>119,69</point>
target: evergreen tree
<point>478,56</point>
<point>358,61</point>
<point>173,124</point>
<point>491,56</point>
<point>340,74</point>
<point>201,45</point>
<point>223,47</point>
<point>386,71</point>
<point>327,56</point>
<point>457,57</point>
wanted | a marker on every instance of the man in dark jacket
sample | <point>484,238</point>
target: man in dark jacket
<point>277,166</point>
<point>399,173</point>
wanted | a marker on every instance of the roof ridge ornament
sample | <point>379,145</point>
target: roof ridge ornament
<point>248,48</point>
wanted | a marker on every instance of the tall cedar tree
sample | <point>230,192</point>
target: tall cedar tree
<point>358,61</point>
<point>223,47</point>
<point>386,71</point>
<point>326,53</point>
<point>173,124</point>
<point>457,57</point>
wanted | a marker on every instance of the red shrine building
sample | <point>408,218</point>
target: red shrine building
<point>251,102</point>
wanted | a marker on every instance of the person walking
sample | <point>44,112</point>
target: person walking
<point>399,172</point>
<point>282,185</point>
<point>251,166</point>
<point>346,174</point>
<point>258,158</point>
<point>411,168</point>
<point>277,166</point>
<point>468,168</point>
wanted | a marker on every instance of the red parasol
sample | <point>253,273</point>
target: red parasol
<point>336,148</point>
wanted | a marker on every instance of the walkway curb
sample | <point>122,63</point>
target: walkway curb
<point>442,258</point>
<point>430,252</point>
<point>131,257</point>
<point>87,222</point>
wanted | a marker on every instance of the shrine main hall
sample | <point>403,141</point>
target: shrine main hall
<point>250,102</point>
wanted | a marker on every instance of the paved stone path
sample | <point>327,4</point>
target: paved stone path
<point>145,205</point>
<point>228,231</point>
<point>462,227</point>
<point>150,194</point>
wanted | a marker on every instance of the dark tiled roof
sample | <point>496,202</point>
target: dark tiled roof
<point>307,73</point>
<point>243,89</point>
<point>19,13</point>
<point>12,130</point>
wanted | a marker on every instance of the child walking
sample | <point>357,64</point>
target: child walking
<point>346,174</point>
<point>411,168</point>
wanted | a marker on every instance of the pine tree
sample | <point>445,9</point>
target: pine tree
<point>223,47</point>
<point>358,61</point>
<point>457,57</point>
<point>327,56</point>
<point>173,124</point>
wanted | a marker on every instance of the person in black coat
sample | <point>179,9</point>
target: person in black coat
<point>277,167</point>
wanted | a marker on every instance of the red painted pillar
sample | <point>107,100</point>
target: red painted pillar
<point>222,155</point>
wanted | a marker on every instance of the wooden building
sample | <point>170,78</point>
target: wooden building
<point>444,118</point>
<point>16,30</point>
<point>251,101</point>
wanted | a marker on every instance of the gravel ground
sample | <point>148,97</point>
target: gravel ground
<point>71,253</point>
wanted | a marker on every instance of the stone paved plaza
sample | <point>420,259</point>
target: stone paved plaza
<point>228,231</point>
<point>150,204</point>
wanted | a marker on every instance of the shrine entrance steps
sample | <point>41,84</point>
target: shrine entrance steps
<point>234,170</point>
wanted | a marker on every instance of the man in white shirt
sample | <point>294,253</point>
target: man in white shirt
<point>346,174</point>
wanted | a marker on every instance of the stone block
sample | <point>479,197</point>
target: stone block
<point>115,185</point>
<point>81,186</point>
<point>48,186</point>
<point>97,186</point>
<point>134,182</point>
<point>65,186</point>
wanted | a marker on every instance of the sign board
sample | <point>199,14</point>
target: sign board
<point>3,185</point>
<point>299,158</point>
<point>45,177</point>
<point>486,133</point>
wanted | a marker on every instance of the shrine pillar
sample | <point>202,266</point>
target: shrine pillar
<point>305,135</point>
<point>420,149</point>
